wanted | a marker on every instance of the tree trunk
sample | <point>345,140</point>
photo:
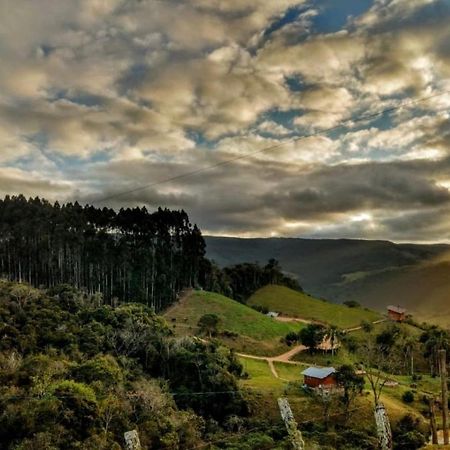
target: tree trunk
<point>443,370</point>
<point>434,436</point>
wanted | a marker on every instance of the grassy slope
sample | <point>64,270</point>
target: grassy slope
<point>258,333</point>
<point>422,289</point>
<point>298,304</point>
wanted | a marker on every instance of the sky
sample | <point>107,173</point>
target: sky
<point>101,97</point>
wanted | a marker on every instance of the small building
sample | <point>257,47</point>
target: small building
<point>396,313</point>
<point>315,377</point>
<point>272,314</point>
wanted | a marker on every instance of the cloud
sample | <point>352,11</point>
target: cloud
<point>98,97</point>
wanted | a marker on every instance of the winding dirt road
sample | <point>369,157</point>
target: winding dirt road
<point>287,356</point>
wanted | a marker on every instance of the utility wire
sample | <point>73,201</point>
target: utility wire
<point>272,147</point>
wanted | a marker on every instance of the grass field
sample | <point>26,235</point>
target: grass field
<point>298,304</point>
<point>260,377</point>
<point>257,333</point>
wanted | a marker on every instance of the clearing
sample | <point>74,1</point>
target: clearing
<point>254,332</point>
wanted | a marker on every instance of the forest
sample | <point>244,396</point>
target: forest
<point>128,255</point>
<point>76,374</point>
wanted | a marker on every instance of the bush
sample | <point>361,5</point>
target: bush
<point>229,334</point>
<point>408,397</point>
<point>291,338</point>
<point>407,435</point>
<point>260,308</point>
<point>367,326</point>
<point>411,440</point>
<point>352,304</point>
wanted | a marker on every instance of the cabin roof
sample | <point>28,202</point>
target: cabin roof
<point>396,309</point>
<point>319,372</point>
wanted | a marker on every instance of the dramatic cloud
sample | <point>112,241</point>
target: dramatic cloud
<point>99,98</point>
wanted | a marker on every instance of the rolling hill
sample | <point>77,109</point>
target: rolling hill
<point>298,304</point>
<point>374,273</point>
<point>256,332</point>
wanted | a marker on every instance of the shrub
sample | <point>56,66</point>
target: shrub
<point>367,326</point>
<point>408,397</point>
<point>352,304</point>
<point>291,338</point>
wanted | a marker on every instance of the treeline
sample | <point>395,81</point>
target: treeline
<point>242,280</point>
<point>131,255</point>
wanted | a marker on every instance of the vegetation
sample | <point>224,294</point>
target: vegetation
<point>245,279</point>
<point>299,304</point>
<point>209,324</point>
<point>132,254</point>
<point>78,374</point>
<point>352,385</point>
<point>250,329</point>
<point>312,336</point>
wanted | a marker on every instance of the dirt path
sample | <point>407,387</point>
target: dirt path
<point>284,358</point>
<point>287,356</point>
<point>349,330</point>
<point>293,319</point>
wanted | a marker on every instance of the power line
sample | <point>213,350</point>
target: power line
<point>272,147</point>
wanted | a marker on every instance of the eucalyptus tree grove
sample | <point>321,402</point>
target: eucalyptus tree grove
<point>131,254</point>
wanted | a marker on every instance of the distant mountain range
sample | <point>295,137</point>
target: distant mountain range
<point>375,273</point>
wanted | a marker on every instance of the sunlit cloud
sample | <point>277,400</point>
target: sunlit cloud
<point>100,97</point>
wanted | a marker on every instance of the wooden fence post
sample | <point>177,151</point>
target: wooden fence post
<point>383,427</point>
<point>132,441</point>
<point>291,425</point>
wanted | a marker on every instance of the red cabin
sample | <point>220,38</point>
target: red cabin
<point>396,313</point>
<point>315,377</point>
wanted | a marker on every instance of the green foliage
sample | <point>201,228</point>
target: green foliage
<point>103,369</point>
<point>312,335</point>
<point>408,396</point>
<point>291,338</point>
<point>260,308</point>
<point>352,304</point>
<point>245,279</point>
<point>79,379</point>
<point>407,434</point>
<point>388,337</point>
<point>131,254</point>
<point>209,324</point>
<point>367,326</point>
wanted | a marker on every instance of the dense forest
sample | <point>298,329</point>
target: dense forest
<point>75,374</point>
<point>129,255</point>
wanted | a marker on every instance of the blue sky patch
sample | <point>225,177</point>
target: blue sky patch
<point>334,14</point>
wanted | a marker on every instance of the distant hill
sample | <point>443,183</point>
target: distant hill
<point>375,273</point>
<point>299,304</point>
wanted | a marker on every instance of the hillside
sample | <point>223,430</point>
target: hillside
<point>255,331</point>
<point>299,304</point>
<point>422,289</point>
<point>374,273</point>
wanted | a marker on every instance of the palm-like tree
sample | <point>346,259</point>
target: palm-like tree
<point>334,334</point>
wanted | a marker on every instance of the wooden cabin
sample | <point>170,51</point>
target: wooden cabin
<point>396,313</point>
<point>315,377</point>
